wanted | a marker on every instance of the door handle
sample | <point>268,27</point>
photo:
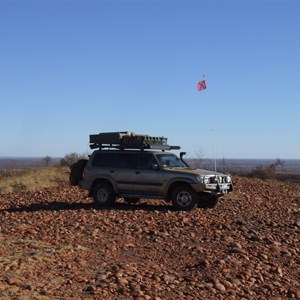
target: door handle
<point>137,172</point>
<point>112,171</point>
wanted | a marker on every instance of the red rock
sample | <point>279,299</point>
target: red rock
<point>220,287</point>
<point>13,281</point>
<point>241,248</point>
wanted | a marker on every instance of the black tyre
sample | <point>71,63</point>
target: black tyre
<point>208,201</point>
<point>77,171</point>
<point>184,198</point>
<point>131,200</point>
<point>103,194</point>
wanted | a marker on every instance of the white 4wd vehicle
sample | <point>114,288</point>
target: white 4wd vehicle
<point>136,166</point>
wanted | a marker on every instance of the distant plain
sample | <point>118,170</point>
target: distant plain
<point>231,165</point>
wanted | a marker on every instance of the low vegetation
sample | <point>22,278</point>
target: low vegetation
<point>37,178</point>
<point>271,172</point>
<point>15,181</point>
<point>34,178</point>
<point>267,171</point>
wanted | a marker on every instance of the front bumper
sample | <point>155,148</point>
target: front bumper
<point>224,188</point>
<point>213,188</point>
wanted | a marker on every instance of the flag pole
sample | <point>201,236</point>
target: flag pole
<point>213,142</point>
<point>214,149</point>
<point>202,86</point>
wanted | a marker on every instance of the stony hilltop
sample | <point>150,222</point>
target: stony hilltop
<point>55,244</point>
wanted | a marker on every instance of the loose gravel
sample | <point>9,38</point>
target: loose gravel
<point>56,244</point>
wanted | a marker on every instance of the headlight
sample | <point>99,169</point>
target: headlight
<point>228,179</point>
<point>203,179</point>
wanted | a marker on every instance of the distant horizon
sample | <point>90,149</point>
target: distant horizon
<point>224,165</point>
<point>185,157</point>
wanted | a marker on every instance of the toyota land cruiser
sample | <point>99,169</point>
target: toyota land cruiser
<point>134,166</point>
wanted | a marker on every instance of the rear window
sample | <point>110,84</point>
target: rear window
<point>125,161</point>
<point>115,160</point>
<point>103,160</point>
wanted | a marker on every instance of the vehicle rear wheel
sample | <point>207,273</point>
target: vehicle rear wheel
<point>184,198</point>
<point>103,194</point>
<point>207,201</point>
<point>131,200</point>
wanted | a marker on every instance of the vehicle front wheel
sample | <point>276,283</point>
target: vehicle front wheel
<point>103,194</point>
<point>184,198</point>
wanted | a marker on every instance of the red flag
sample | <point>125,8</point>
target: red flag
<point>201,85</point>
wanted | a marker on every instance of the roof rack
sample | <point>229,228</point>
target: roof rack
<point>129,140</point>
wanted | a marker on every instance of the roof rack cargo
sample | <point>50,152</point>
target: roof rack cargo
<point>129,140</point>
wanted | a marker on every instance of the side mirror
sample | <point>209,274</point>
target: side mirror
<point>154,166</point>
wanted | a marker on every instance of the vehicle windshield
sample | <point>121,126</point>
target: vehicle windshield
<point>170,161</point>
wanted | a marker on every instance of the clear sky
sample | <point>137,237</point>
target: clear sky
<point>73,68</point>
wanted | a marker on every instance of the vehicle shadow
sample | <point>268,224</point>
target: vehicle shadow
<point>60,206</point>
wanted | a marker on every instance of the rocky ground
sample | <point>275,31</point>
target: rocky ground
<point>55,244</point>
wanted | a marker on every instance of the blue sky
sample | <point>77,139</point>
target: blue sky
<point>73,68</point>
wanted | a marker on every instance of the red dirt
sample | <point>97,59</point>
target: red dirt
<point>55,244</point>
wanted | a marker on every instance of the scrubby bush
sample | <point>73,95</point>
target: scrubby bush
<point>72,158</point>
<point>263,172</point>
<point>266,171</point>
<point>46,161</point>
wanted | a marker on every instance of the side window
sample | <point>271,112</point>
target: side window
<point>103,160</point>
<point>125,160</point>
<point>145,161</point>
